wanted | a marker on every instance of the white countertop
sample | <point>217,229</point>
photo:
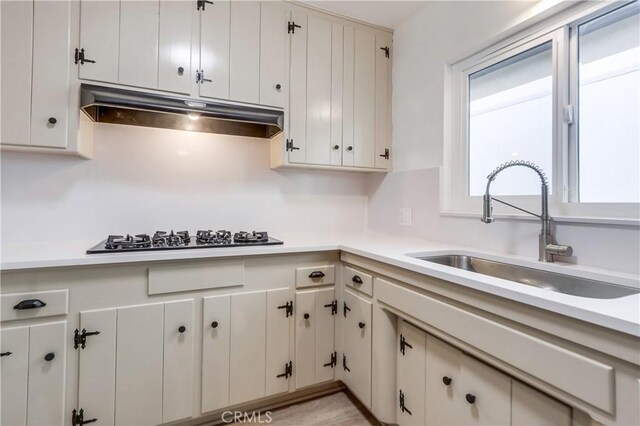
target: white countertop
<point>621,314</point>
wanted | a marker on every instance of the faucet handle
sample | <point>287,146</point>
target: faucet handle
<point>558,249</point>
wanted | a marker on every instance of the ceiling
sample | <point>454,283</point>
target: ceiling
<point>388,14</point>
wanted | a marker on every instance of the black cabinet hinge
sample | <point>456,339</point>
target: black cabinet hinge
<point>344,363</point>
<point>201,4</point>
<point>345,308</point>
<point>288,370</point>
<point>78,57</point>
<point>5,353</point>
<point>200,77</point>
<point>334,307</point>
<point>333,362</point>
<point>291,27</point>
<point>77,418</point>
<point>386,51</point>
<point>404,344</point>
<point>80,337</point>
<point>386,154</point>
<point>289,146</point>
<point>288,308</point>
<point>401,402</point>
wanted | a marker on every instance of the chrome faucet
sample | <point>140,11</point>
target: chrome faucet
<point>547,247</point>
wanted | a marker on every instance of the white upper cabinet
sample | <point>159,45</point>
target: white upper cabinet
<point>364,99</point>
<point>138,59</point>
<point>274,58</point>
<point>214,50</point>
<point>174,69</point>
<point>244,55</point>
<point>383,101</point>
<point>99,40</point>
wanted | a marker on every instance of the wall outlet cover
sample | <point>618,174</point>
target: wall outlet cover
<point>405,217</point>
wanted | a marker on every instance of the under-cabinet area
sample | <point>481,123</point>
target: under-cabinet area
<point>132,344</point>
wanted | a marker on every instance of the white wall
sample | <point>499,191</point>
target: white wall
<point>443,33</point>
<point>144,179</point>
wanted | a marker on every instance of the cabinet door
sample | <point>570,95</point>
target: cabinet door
<point>486,393</point>
<point>139,353</point>
<point>411,359</point>
<point>174,67</point>
<point>305,338</point>
<point>273,54</point>
<point>247,364</point>
<point>214,50</point>
<point>530,407</point>
<point>325,335</point>
<point>347,96</point>
<point>138,60</point>
<point>445,399</point>
<point>99,37</point>
<point>216,320</point>
<point>383,99</point>
<point>14,365</point>
<point>50,85</point>
<point>337,67</point>
<point>16,48</point>
<point>244,60</point>
<point>47,363</point>
<point>278,328</point>
<point>298,88</point>
<point>97,368</point>
<point>177,375</point>
<point>357,347</point>
<point>364,98</point>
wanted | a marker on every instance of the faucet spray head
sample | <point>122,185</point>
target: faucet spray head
<point>487,209</point>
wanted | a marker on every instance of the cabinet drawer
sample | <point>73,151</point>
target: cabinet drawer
<point>315,275</point>
<point>358,280</point>
<point>36,304</point>
<point>582,377</point>
<point>178,277</point>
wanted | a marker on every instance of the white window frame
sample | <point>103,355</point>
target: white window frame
<point>562,31</point>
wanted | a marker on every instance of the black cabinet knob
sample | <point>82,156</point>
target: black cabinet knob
<point>336,147</point>
<point>182,329</point>
<point>349,148</point>
<point>278,86</point>
<point>471,398</point>
<point>50,356</point>
<point>306,316</point>
<point>180,70</point>
<point>52,120</point>
<point>361,324</point>
<point>446,380</point>
<point>214,324</point>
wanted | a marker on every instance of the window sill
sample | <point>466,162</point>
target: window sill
<point>626,222</point>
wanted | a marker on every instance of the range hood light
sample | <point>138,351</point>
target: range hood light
<point>193,116</point>
<point>194,104</point>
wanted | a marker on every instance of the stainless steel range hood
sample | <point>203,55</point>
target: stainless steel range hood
<point>120,106</point>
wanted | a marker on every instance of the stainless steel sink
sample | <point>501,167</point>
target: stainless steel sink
<point>560,283</point>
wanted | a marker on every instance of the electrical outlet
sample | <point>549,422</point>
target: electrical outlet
<point>405,217</point>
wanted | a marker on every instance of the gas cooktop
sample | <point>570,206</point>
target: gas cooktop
<point>163,240</point>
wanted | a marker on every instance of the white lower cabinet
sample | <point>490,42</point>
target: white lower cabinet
<point>279,365</point>
<point>411,359</point>
<point>138,369</point>
<point>530,407</point>
<point>216,314</point>
<point>356,346</point>
<point>33,374</point>
<point>443,384</point>
<point>316,358</point>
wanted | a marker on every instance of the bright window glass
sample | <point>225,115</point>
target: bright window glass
<point>510,118</point>
<point>609,107</point>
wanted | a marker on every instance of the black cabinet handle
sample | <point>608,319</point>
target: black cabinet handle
<point>50,356</point>
<point>278,86</point>
<point>214,324</point>
<point>182,329</point>
<point>316,274</point>
<point>471,398</point>
<point>306,316</point>
<point>356,279</point>
<point>180,70</point>
<point>30,304</point>
<point>361,324</point>
<point>446,380</point>
<point>5,353</point>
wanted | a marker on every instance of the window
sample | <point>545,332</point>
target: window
<point>567,98</point>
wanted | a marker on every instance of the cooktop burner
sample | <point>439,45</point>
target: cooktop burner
<point>162,240</point>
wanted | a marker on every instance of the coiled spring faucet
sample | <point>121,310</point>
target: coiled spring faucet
<point>547,247</point>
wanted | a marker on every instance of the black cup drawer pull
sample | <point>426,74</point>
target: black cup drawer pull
<point>316,274</point>
<point>356,279</point>
<point>30,304</point>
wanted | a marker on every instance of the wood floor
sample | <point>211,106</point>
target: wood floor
<point>337,409</point>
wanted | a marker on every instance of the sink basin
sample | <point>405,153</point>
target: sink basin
<point>552,281</point>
